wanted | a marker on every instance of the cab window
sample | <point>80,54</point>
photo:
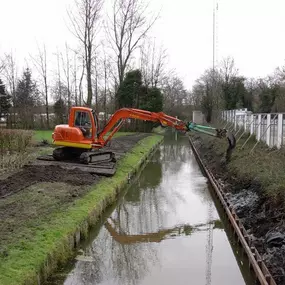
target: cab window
<point>82,119</point>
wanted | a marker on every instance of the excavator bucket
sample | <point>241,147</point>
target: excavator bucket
<point>232,144</point>
<point>220,133</point>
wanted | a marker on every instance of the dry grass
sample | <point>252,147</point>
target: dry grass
<point>14,140</point>
<point>13,148</point>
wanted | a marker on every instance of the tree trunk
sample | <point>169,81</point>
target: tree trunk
<point>47,111</point>
<point>105,97</point>
<point>89,88</point>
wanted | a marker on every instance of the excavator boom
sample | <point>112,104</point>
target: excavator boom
<point>118,118</point>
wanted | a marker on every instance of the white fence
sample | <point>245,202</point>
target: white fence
<point>268,128</point>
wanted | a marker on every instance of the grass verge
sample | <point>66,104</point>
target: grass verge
<point>29,260</point>
<point>261,166</point>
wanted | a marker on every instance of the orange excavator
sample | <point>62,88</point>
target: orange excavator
<point>82,140</point>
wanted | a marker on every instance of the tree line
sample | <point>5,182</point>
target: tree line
<point>96,73</point>
<point>124,69</point>
<point>223,88</point>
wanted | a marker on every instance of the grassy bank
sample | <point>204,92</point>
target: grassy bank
<point>261,166</point>
<point>44,244</point>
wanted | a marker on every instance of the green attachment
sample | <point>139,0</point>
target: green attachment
<point>201,129</point>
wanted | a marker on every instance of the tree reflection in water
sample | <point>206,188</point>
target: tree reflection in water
<point>126,248</point>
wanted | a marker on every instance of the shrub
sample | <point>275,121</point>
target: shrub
<point>13,146</point>
<point>14,141</point>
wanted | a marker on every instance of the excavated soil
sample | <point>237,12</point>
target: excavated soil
<point>262,217</point>
<point>30,175</point>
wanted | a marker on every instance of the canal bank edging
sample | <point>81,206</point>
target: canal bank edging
<point>66,248</point>
<point>255,261</point>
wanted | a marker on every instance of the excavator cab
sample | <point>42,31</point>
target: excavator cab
<point>83,122</point>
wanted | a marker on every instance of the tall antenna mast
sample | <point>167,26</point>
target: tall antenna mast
<point>215,34</point>
<point>215,9</point>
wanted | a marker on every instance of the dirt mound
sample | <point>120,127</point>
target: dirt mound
<point>32,174</point>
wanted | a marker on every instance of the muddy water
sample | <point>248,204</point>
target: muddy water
<point>164,230</point>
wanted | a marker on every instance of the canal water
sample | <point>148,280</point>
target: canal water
<point>165,229</point>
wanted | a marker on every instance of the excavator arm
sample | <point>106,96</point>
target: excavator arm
<point>118,118</point>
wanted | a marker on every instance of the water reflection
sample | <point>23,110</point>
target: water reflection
<point>165,230</point>
<point>179,230</point>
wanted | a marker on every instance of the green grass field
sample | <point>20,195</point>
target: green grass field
<point>39,136</point>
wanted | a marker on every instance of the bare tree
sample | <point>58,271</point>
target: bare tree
<point>152,63</point>
<point>74,76</point>
<point>10,74</point>
<point>2,65</point>
<point>59,76</point>
<point>40,62</point>
<point>80,83</point>
<point>96,79</point>
<point>84,24</point>
<point>128,27</point>
<point>228,69</point>
<point>107,73</point>
<point>66,69</point>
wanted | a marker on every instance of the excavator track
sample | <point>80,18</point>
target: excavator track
<point>95,162</point>
<point>85,157</point>
<point>97,157</point>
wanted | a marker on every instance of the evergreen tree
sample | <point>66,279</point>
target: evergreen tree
<point>133,94</point>
<point>130,89</point>
<point>5,100</point>
<point>152,100</point>
<point>59,111</point>
<point>27,97</point>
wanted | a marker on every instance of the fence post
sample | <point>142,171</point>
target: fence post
<point>268,128</point>
<point>245,122</point>
<point>258,127</point>
<point>279,130</point>
<point>252,122</point>
<point>235,119</point>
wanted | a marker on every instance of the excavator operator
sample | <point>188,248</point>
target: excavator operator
<point>83,122</point>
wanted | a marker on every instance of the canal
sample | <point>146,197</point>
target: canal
<point>165,229</point>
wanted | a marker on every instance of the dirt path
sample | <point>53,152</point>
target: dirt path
<point>30,175</point>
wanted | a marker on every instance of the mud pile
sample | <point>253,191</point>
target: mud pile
<point>30,174</point>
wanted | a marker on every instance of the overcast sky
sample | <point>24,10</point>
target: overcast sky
<point>252,31</point>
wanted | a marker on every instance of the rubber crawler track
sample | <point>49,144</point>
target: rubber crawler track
<point>255,261</point>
